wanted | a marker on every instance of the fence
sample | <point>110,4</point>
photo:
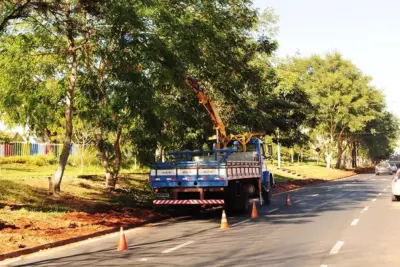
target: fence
<point>28,149</point>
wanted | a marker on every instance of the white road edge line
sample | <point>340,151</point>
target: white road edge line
<point>354,222</point>
<point>9,261</point>
<point>270,211</point>
<point>380,194</point>
<point>315,195</point>
<point>143,259</point>
<point>373,200</point>
<point>324,265</point>
<point>297,201</point>
<point>177,247</point>
<point>238,223</point>
<point>336,247</point>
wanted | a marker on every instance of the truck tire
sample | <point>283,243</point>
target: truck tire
<point>245,199</point>
<point>229,198</point>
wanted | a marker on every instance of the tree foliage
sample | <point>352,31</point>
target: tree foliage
<point>343,101</point>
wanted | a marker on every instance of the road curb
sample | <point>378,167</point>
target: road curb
<point>316,184</point>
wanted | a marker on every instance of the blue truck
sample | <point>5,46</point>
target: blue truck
<point>228,176</point>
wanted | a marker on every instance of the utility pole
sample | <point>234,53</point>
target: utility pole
<point>279,153</point>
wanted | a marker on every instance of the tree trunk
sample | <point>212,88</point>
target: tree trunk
<point>162,154</point>
<point>111,172</point>
<point>82,157</point>
<point>159,152</point>
<point>56,181</point>
<point>340,149</point>
<point>104,159</point>
<point>339,157</point>
<point>328,157</point>
<point>354,155</point>
<point>292,155</point>
<point>118,156</point>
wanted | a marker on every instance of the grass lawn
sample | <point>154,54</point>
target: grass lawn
<point>303,174</point>
<point>30,216</point>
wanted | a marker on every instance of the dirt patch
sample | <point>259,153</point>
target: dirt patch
<point>34,232</point>
<point>295,184</point>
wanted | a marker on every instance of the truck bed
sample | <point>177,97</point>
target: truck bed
<point>202,174</point>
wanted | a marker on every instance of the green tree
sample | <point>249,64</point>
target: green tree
<point>48,39</point>
<point>342,100</point>
<point>380,136</point>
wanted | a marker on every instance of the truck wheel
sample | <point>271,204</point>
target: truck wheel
<point>229,198</point>
<point>244,200</point>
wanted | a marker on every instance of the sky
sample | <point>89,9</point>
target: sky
<point>367,32</point>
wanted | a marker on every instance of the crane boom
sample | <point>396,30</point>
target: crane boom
<point>222,137</point>
<point>219,126</point>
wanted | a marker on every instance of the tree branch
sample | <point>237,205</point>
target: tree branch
<point>15,14</point>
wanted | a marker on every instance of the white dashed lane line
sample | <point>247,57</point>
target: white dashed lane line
<point>354,222</point>
<point>365,209</point>
<point>373,200</point>
<point>270,211</point>
<point>315,195</point>
<point>238,223</point>
<point>380,194</point>
<point>336,248</point>
<point>177,247</point>
<point>297,201</point>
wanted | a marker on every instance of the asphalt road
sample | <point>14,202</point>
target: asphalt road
<point>350,222</point>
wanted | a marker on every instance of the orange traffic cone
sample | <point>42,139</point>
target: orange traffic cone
<point>254,213</point>
<point>288,200</point>
<point>224,221</point>
<point>122,241</point>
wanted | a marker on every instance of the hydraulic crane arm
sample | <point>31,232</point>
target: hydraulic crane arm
<point>222,137</point>
<point>219,125</point>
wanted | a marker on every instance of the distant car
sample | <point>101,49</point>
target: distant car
<point>396,187</point>
<point>383,167</point>
<point>394,167</point>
